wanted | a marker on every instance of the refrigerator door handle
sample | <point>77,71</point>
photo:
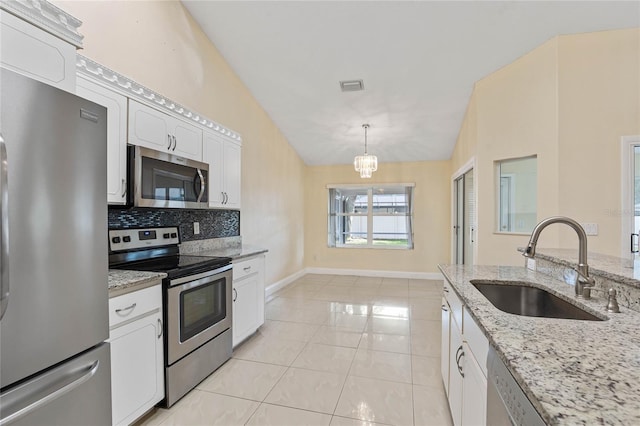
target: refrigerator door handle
<point>55,386</point>
<point>4,229</point>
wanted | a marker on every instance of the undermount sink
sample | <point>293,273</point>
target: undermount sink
<point>522,299</point>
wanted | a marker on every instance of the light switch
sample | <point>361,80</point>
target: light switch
<point>196,228</point>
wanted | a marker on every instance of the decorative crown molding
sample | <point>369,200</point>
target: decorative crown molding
<point>48,17</point>
<point>131,89</point>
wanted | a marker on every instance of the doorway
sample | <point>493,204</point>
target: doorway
<point>464,217</point>
<point>630,211</point>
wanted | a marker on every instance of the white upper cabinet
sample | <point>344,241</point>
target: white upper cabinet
<point>116,105</point>
<point>32,50</point>
<point>154,129</point>
<point>224,157</point>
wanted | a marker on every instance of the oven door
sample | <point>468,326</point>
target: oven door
<point>160,179</point>
<point>198,309</point>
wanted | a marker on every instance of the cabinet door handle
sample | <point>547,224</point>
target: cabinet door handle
<point>459,355</point>
<point>124,187</point>
<point>446,290</point>
<point>160,328</point>
<point>169,137</point>
<point>444,308</point>
<point>235,295</point>
<point>246,268</point>
<point>128,308</point>
<point>175,142</point>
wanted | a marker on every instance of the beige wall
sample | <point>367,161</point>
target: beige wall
<point>159,45</point>
<point>568,101</point>
<point>599,101</point>
<point>431,218</point>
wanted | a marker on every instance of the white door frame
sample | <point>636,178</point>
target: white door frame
<point>471,164</point>
<point>627,207</point>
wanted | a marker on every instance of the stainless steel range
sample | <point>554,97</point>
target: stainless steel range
<point>196,301</point>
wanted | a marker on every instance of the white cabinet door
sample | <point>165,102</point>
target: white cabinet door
<point>116,105</point>
<point>224,158</point>
<point>456,379</point>
<point>445,348</point>
<point>33,52</point>
<point>137,357</point>
<point>245,312</point>
<point>156,130</point>
<point>474,391</point>
<point>248,297</point>
<point>148,127</point>
<point>232,174</point>
<point>212,153</point>
<point>188,140</point>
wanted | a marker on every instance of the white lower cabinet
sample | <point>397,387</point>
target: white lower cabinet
<point>446,339</point>
<point>464,357</point>
<point>248,297</point>
<point>137,359</point>
<point>474,390</point>
<point>456,378</point>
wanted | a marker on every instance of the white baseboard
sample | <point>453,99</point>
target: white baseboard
<point>376,273</point>
<point>268,291</point>
<point>360,272</point>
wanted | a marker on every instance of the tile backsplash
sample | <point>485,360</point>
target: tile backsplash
<point>213,223</point>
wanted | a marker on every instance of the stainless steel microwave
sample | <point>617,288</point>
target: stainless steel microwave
<point>159,179</point>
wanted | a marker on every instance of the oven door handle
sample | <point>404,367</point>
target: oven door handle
<point>195,280</point>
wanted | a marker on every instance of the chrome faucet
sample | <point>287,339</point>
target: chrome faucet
<point>584,281</point>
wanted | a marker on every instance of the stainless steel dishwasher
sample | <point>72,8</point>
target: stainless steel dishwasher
<point>506,402</point>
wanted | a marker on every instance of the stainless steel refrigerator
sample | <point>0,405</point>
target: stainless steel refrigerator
<point>54,364</point>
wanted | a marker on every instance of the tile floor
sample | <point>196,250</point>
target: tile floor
<point>334,350</point>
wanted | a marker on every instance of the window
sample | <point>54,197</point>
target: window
<point>371,216</point>
<point>517,195</point>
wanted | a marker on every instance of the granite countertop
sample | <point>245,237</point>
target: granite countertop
<point>235,253</point>
<point>574,372</point>
<point>123,282</point>
<point>615,268</point>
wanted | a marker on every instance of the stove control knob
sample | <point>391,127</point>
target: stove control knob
<point>174,235</point>
<point>165,235</point>
<point>115,240</point>
<point>126,239</point>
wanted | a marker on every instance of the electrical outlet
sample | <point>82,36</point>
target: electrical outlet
<point>590,228</point>
<point>196,228</point>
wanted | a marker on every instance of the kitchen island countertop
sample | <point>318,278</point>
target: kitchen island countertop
<point>574,372</point>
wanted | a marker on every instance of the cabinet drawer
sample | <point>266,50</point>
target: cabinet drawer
<point>247,267</point>
<point>128,306</point>
<point>476,340</point>
<point>455,304</point>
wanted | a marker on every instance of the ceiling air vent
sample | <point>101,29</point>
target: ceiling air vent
<point>351,85</point>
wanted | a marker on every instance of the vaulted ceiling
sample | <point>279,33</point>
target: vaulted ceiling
<point>419,61</point>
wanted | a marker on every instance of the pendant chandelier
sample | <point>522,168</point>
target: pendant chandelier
<point>365,164</point>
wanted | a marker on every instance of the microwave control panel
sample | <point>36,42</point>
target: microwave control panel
<point>128,239</point>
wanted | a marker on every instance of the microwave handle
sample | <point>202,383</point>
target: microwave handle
<point>203,185</point>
